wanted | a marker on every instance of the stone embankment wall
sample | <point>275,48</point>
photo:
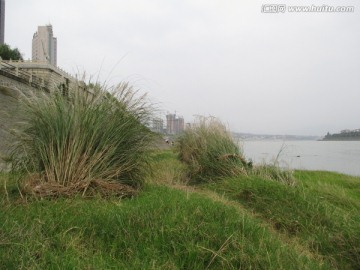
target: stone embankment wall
<point>37,74</point>
<point>11,89</point>
<point>10,112</point>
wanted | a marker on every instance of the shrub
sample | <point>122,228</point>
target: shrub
<point>85,139</point>
<point>209,151</point>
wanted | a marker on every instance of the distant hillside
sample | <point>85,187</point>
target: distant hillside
<point>344,135</point>
<point>249,136</point>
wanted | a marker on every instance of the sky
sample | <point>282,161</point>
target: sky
<point>258,72</point>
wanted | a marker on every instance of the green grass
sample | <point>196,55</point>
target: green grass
<point>162,228</point>
<point>243,222</point>
<point>338,189</point>
<point>273,172</point>
<point>322,212</point>
<point>166,169</point>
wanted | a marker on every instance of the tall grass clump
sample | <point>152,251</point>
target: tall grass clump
<point>208,149</point>
<point>274,171</point>
<point>84,139</point>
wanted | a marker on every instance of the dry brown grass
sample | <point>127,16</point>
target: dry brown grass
<point>35,187</point>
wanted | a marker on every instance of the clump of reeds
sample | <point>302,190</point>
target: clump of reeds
<point>209,150</point>
<point>274,172</point>
<point>84,139</point>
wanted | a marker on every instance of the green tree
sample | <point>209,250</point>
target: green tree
<point>6,53</point>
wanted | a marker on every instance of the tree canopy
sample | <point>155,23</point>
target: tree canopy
<point>7,53</point>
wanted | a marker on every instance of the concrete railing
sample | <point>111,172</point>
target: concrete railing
<point>36,74</point>
<point>33,65</point>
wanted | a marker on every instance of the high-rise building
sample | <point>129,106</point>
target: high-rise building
<point>2,22</point>
<point>170,123</point>
<point>44,45</point>
<point>174,124</point>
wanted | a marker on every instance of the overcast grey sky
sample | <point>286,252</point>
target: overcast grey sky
<point>283,73</point>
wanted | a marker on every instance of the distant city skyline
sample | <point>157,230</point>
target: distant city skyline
<point>44,45</point>
<point>2,22</point>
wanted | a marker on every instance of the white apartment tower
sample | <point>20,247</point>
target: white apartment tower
<point>44,45</point>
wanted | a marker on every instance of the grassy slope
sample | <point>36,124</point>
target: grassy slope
<point>322,212</point>
<point>238,223</point>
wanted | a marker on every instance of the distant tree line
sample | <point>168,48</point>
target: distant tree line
<point>7,53</point>
<point>348,135</point>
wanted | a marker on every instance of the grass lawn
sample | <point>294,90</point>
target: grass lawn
<point>241,222</point>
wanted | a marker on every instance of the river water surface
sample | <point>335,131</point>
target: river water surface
<point>338,156</point>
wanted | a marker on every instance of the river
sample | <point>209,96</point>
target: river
<point>337,156</point>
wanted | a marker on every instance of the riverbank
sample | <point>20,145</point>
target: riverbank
<point>348,139</point>
<point>240,222</point>
<point>344,135</point>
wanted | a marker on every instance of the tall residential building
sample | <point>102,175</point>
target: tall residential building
<point>2,22</point>
<point>44,45</point>
<point>174,124</point>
